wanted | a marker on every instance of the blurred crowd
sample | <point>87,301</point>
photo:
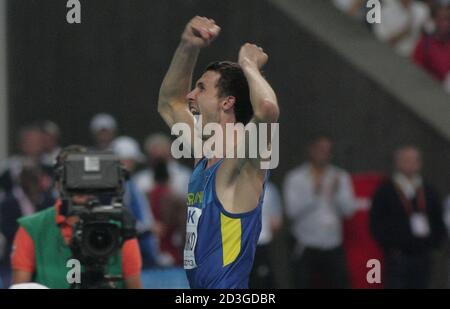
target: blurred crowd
<point>154,194</point>
<point>339,222</point>
<point>336,221</point>
<point>417,29</point>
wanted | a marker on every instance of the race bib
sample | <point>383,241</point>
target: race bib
<point>193,216</point>
<point>419,225</point>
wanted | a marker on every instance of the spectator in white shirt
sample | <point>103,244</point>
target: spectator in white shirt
<point>318,196</point>
<point>31,150</point>
<point>157,147</point>
<point>50,140</point>
<point>402,23</point>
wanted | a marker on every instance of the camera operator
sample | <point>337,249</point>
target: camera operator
<point>42,245</point>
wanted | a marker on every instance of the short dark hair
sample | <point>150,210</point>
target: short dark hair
<point>319,137</point>
<point>232,82</point>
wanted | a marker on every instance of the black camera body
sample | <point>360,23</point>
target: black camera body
<point>92,173</point>
<point>104,223</point>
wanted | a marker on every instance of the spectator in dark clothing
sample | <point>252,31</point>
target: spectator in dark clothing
<point>31,196</point>
<point>263,275</point>
<point>31,150</point>
<point>406,220</point>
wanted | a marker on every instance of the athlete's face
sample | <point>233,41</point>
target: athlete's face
<point>204,99</point>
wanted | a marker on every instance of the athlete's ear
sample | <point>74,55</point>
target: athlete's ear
<point>228,103</point>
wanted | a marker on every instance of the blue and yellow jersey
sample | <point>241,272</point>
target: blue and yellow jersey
<point>220,246</point>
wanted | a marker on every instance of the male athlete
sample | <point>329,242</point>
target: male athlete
<point>225,194</point>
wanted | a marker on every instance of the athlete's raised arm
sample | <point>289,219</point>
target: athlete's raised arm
<point>172,103</point>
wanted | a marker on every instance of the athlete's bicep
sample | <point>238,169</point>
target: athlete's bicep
<point>181,114</point>
<point>171,110</point>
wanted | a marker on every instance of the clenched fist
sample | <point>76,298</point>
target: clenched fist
<point>252,55</point>
<point>200,31</point>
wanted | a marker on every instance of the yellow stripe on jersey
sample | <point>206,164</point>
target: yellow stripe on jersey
<point>231,238</point>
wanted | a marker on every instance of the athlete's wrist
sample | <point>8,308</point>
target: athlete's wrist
<point>187,45</point>
<point>248,66</point>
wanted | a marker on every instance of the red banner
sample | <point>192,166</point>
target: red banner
<point>358,242</point>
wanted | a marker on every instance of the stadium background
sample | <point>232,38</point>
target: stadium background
<point>115,60</point>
